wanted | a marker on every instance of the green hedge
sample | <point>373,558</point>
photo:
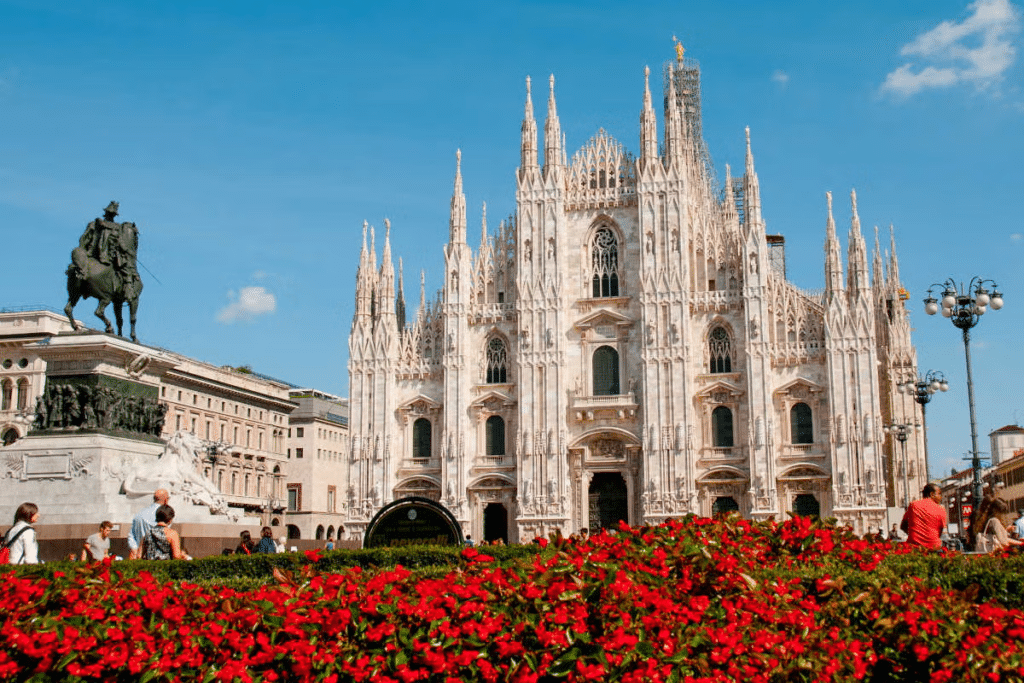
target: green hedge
<point>250,570</point>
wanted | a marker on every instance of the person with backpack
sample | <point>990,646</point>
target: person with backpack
<point>20,541</point>
<point>266,544</point>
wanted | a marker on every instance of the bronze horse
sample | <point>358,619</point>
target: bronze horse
<point>88,277</point>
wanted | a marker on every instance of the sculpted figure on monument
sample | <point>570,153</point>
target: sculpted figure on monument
<point>103,266</point>
<point>178,471</point>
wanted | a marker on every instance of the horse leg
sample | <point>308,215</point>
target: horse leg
<point>119,317</point>
<point>69,310</point>
<point>133,307</point>
<point>99,314</point>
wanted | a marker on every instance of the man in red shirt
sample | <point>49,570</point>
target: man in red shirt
<point>925,519</point>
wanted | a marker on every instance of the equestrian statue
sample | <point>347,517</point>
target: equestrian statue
<point>103,266</point>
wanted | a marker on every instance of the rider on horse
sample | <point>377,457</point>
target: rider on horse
<point>103,266</point>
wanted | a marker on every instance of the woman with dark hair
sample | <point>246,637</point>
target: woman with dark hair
<point>266,544</point>
<point>994,535</point>
<point>162,542</point>
<point>21,538</point>
<point>245,544</point>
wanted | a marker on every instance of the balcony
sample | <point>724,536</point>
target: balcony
<point>613,407</point>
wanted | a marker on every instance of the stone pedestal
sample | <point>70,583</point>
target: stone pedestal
<point>95,453</point>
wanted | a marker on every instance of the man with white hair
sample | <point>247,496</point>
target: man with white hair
<point>143,522</point>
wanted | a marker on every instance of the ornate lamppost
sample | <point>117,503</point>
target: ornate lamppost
<point>921,389</point>
<point>964,306</point>
<point>901,431</point>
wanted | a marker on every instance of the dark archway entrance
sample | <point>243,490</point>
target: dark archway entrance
<point>10,436</point>
<point>724,505</point>
<point>495,522</point>
<point>608,501</point>
<point>806,505</point>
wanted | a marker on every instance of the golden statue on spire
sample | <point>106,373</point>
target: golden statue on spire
<point>679,50</point>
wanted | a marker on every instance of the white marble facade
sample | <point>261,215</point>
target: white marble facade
<point>626,345</point>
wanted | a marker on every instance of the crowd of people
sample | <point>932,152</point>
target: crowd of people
<point>152,537</point>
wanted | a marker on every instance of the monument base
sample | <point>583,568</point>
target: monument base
<point>78,480</point>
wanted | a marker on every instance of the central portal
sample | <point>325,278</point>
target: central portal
<point>608,501</point>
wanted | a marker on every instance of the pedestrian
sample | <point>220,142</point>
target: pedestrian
<point>925,519</point>
<point>1019,524</point>
<point>282,544</point>
<point>162,542</point>
<point>468,542</point>
<point>266,544</point>
<point>994,535</point>
<point>143,522</point>
<point>329,545</point>
<point>245,544</point>
<point>21,538</point>
<point>895,535</point>
<point>97,546</point>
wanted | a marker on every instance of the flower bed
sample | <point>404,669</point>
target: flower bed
<point>694,600</point>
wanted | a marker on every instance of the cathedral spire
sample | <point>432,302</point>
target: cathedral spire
<point>648,126</point>
<point>400,297</point>
<point>751,191</point>
<point>363,285</point>
<point>857,258</point>
<point>673,124</point>
<point>423,294</point>
<point>553,155</point>
<point>877,270</point>
<point>729,203</point>
<point>894,265</point>
<point>386,280</point>
<point>528,152</point>
<point>833,258</point>
<point>457,223</point>
<point>483,228</point>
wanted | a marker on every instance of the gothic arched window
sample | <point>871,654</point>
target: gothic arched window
<point>495,435</point>
<point>720,350</point>
<point>421,429</point>
<point>721,427</point>
<point>801,425</point>
<point>606,371</point>
<point>8,393</point>
<point>497,361</point>
<point>605,263</point>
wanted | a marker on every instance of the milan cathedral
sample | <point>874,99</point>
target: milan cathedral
<point>626,346</point>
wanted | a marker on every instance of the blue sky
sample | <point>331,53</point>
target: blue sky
<point>250,140</point>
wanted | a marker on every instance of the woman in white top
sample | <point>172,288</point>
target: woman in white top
<point>25,549</point>
<point>996,536</point>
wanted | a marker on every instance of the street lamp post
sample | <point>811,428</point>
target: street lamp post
<point>921,389</point>
<point>901,431</point>
<point>964,306</point>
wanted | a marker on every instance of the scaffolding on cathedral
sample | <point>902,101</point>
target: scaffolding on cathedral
<point>686,73</point>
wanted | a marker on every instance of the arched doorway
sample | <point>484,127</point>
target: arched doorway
<point>806,505</point>
<point>293,531</point>
<point>608,501</point>
<point>724,505</point>
<point>10,436</point>
<point>495,522</point>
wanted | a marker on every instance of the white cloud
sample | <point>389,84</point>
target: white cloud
<point>780,77</point>
<point>1016,237</point>
<point>246,304</point>
<point>977,50</point>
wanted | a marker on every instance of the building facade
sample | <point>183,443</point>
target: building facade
<point>626,346</point>
<point>319,451</point>
<point>22,371</point>
<point>246,416</point>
